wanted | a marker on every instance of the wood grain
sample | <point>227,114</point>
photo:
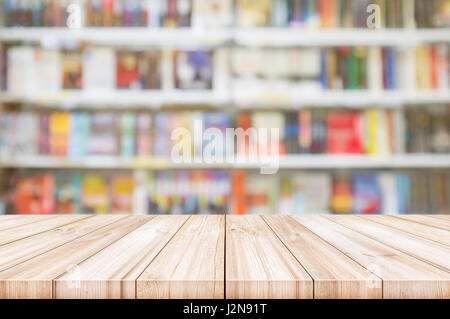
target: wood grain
<point>21,250</point>
<point>403,276</point>
<point>421,230</point>
<point>258,265</point>
<point>191,265</point>
<point>335,275</point>
<point>39,226</point>
<point>34,277</point>
<point>141,256</point>
<point>444,217</point>
<point>112,272</point>
<point>427,220</point>
<point>423,249</point>
<point>10,221</point>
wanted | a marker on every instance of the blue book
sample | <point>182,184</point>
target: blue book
<point>367,195</point>
<point>403,192</point>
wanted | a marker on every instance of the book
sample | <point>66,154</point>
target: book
<point>127,70</point>
<point>122,194</point>
<point>127,134</point>
<point>367,197</point>
<point>67,193</point>
<point>103,138</point>
<point>193,70</point>
<point>72,67</point>
<point>94,194</point>
<point>34,195</point>
<point>341,195</point>
<point>99,67</point>
<point>59,133</point>
<point>344,133</point>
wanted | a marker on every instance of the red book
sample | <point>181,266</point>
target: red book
<point>127,70</point>
<point>34,195</point>
<point>344,133</point>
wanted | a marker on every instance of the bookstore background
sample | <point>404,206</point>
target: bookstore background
<point>86,113</point>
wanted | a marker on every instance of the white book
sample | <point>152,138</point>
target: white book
<point>140,193</point>
<point>375,69</point>
<point>20,76</point>
<point>382,139</point>
<point>388,185</point>
<point>99,69</point>
<point>312,193</point>
<point>47,71</point>
<point>154,13</point>
<point>310,59</point>
<point>409,21</point>
<point>398,118</point>
<point>211,13</point>
<point>406,75</point>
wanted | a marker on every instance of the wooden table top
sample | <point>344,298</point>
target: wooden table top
<point>143,256</point>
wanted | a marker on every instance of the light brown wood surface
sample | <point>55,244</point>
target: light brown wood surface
<point>36,227</point>
<point>258,265</point>
<point>34,277</point>
<point>403,276</point>
<point>142,256</point>
<point>191,265</point>
<point>335,275</point>
<point>432,233</point>
<point>434,221</point>
<point>11,221</point>
<point>423,249</point>
<point>112,273</point>
<point>26,248</point>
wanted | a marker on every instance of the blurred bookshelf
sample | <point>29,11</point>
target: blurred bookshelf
<point>86,113</point>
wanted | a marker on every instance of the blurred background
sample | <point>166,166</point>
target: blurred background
<point>91,91</point>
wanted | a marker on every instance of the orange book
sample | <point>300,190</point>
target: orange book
<point>341,200</point>
<point>122,194</point>
<point>327,12</point>
<point>34,195</point>
<point>238,193</point>
<point>433,68</point>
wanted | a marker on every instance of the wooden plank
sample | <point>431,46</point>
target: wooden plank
<point>258,265</point>
<point>426,220</point>
<point>444,217</point>
<point>21,250</point>
<point>424,249</point>
<point>19,232</point>
<point>191,265</point>
<point>33,278</point>
<point>432,233</point>
<point>112,272</point>
<point>10,221</point>
<point>335,275</point>
<point>403,276</point>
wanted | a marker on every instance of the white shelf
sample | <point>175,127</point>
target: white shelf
<point>118,98</point>
<point>286,37</point>
<point>338,99</point>
<point>285,162</point>
<point>194,37</point>
<point>132,36</point>
<point>248,100</point>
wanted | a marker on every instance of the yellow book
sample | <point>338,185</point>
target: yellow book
<point>371,119</point>
<point>423,68</point>
<point>58,133</point>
